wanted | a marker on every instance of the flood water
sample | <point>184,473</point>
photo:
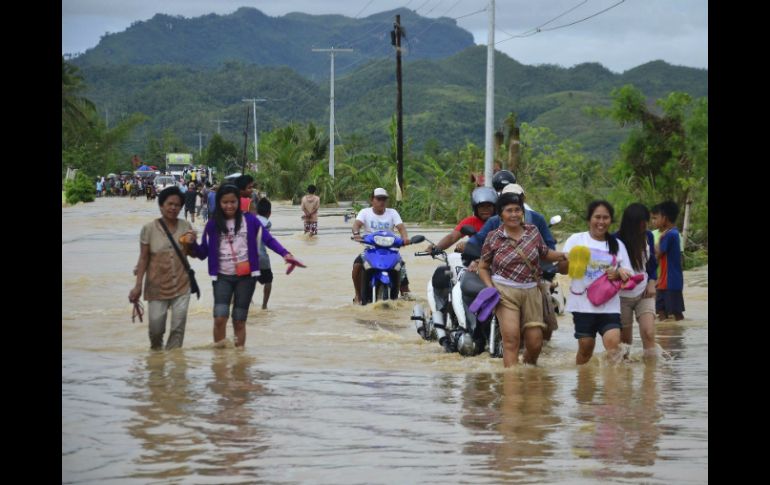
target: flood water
<point>329,392</point>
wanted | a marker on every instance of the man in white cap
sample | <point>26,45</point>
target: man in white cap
<point>378,217</point>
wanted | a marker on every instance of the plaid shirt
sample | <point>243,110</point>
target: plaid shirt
<point>500,252</point>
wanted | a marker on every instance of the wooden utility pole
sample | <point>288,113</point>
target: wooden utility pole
<point>245,142</point>
<point>399,111</point>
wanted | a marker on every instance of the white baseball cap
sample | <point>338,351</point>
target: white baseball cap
<point>379,191</point>
<point>513,189</point>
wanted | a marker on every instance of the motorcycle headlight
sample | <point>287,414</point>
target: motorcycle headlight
<point>385,241</point>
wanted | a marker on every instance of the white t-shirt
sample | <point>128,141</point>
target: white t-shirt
<point>601,260</point>
<point>374,222</point>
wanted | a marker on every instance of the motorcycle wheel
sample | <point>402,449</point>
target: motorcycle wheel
<point>381,292</point>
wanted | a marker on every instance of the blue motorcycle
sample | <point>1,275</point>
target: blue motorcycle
<point>382,266</point>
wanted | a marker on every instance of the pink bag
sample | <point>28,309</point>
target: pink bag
<point>602,289</point>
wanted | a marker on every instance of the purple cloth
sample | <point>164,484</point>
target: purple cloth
<point>485,303</point>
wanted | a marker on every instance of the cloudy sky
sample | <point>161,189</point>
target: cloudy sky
<point>632,33</point>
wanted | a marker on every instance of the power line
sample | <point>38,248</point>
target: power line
<point>584,19</point>
<point>365,7</point>
<point>538,29</point>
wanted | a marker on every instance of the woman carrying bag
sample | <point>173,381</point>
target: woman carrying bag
<point>603,254</point>
<point>165,271</point>
<point>230,242</point>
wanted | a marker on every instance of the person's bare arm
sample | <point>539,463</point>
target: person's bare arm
<point>402,231</point>
<point>484,274</point>
<point>139,271</point>
<point>448,240</point>
<point>357,225</point>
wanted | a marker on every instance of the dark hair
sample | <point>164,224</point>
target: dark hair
<point>508,199</point>
<point>612,242</point>
<point>263,207</point>
<point>632,235</point>
<point>655,209</point>
<point>311,188</point>
<point>219,217</point>
<point>242,181</point>
<point>670,209</point>
<point>168,191</point>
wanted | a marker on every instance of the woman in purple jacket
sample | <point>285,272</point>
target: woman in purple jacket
<point>640,300</point>
<point>230,244</point>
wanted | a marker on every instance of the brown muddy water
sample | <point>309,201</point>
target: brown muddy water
<point>329,392</point>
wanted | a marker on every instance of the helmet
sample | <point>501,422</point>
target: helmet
<point>503,178</point>
<point>482,195</point>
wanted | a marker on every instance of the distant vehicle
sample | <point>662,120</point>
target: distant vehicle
<point>163,181</point>
<point>145,174</point>
<point>177,162</point>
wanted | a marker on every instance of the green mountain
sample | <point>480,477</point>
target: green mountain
<point>177,71</point>
<point>248,35</point>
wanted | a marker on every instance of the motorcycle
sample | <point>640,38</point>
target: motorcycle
<point>447,319</point>
<point>558,299</point>
<point>382,266</point>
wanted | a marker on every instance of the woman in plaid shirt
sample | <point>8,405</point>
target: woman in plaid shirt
<point>510,262</point>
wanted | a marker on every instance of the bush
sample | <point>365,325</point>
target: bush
<point>693,259</point>
<point>81,189</point>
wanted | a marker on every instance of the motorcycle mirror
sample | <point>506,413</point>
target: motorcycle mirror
<point>416,239</point>
<point>555,220</point>
<point>467,230</point>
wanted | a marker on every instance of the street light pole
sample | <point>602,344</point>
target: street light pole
<point>254,101</point>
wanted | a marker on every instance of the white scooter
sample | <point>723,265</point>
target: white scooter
<point>447,319</point>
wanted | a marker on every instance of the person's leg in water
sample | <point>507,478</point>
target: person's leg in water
<point>266,279</point>
<point>244,290</point>
<point>223,293</point>
<point>405,293</point>
<point>266,295</point>
<point>358,267</point>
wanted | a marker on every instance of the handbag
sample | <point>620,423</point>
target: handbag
<point>190,272</point>
<point>602,289</point>
<point>242,268</point>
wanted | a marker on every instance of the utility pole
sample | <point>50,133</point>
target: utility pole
<point>331,107</point>
<point>219,125</point>
<point>245,141</point>
<point>200,142</point>
<point>256,140</point>
<point>396,37</point>
<point>489,151</point>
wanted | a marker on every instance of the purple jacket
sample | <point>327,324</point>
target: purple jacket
<point>209,247</point>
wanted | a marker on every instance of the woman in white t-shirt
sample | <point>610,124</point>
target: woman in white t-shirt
<point>605,248</point>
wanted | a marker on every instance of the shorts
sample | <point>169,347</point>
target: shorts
<point>225,286</point>
<point>659,303</point>
<point>265,276</point>
<point>311,227</point>
<point>527,302</point>
<point>673,301</point>
<point>636,304</point>
<point>587,324</point>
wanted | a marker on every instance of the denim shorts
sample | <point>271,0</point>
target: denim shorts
<point>587,324</point>
<point>225,286</point>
